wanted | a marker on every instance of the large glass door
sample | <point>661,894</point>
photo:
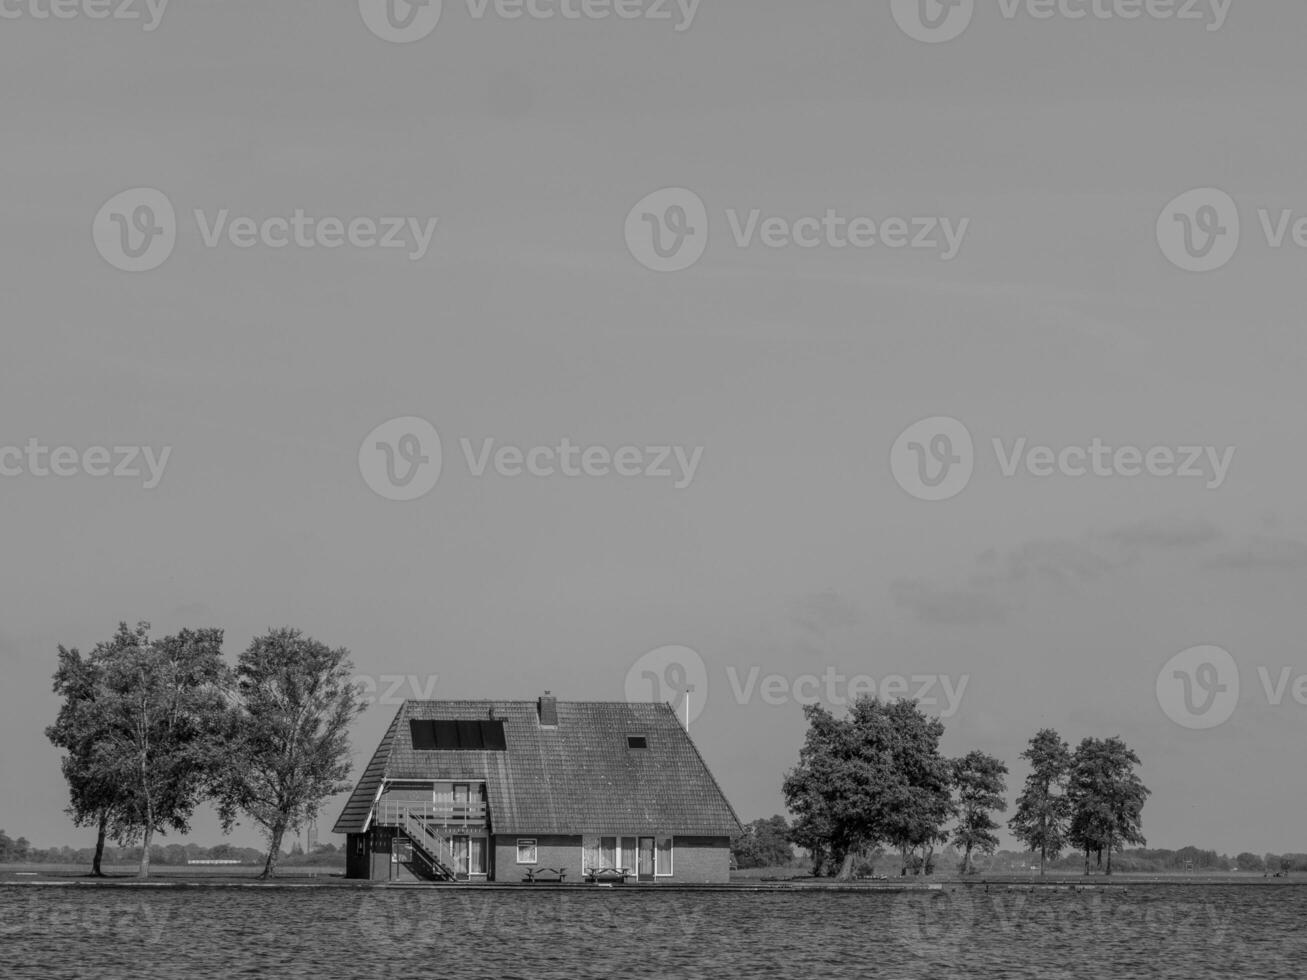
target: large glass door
<point>462,853</point>
<point>646,859</point>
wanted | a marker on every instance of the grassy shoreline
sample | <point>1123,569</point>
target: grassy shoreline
<point>760,880</point>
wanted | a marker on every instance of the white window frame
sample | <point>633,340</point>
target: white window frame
<point>620,857</point>
<point>659,872</point>
<point>532,843</point>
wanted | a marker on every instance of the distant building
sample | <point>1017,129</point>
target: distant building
<point>492,790</point>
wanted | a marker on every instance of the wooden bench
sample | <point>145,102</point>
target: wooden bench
<point>550,875</point>
<point>608,876</point>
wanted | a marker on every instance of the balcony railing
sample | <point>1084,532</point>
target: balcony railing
<point>446,813</point>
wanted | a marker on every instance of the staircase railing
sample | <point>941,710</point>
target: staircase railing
<point>420,822</point>
<point>435,845</point>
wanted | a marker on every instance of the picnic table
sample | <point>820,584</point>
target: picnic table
<point>608,875</point>
<point>538,874</point>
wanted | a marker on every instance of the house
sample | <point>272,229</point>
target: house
<point>491,790</point>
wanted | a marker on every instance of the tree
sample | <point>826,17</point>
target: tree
<point>980,782</point>
<point>158,706</point>
<point>765,844</point>
<point>1043,808</point>
<point>873,778</point>
<point>95,794</point>
<point>288,736</point>
<point>1247,861</point>
<point>1107,798</point>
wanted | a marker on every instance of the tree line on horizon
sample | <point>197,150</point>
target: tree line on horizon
<point>766,844</point>
<point>20,851</point>
<point>151,728</point>
<point>876,779</point>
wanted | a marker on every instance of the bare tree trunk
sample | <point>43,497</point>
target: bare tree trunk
<point>145,852</point>
<point>99,845</point>
<point>846,869</point>
<point>1043,859</point>
<point>966,861</point>
<point>274,852</point>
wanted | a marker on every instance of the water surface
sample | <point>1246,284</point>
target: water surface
<point>1172,933</point>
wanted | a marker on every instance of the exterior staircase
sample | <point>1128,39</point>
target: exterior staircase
<point>425,826</point>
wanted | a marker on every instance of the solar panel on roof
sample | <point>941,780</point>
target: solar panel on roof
<point>492,734</point>
<point>446,735</point>
<point>423,733</point>
<point>469,735</point>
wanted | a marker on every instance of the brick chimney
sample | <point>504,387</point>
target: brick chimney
<point>548,708</point>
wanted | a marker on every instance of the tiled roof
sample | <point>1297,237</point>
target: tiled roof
<point>577,778</point>
<point>355,814</point>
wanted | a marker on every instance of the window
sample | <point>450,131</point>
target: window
<point>527,853</point>
<point>361,845</point>
<point>663,858</point>
<point>475,735</point>
<point>637,741</point>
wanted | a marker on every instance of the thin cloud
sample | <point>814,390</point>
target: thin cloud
<point>1164,535</point>
<point>947,607</point>
<point>1263,552</point>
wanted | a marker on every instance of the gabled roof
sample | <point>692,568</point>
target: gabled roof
<point>579,777</point>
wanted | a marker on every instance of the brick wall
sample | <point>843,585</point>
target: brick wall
<point>551,852</point>
<point>695,860</point>
<point>699,860</point>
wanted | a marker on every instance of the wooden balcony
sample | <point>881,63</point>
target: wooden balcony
<point>471,815</point>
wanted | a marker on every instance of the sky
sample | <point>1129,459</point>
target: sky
<point>820,393</point>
